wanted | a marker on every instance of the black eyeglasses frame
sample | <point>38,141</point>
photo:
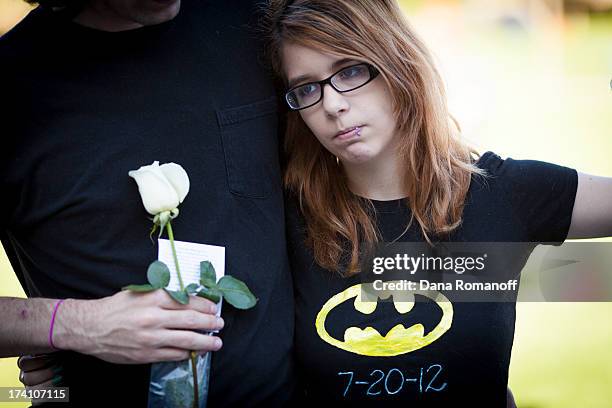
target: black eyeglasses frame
<point>374,72</point>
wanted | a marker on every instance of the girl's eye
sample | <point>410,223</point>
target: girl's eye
<point>352,72</point>
<point>307,90</point>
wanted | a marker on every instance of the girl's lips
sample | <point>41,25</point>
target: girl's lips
<point>349,133</point>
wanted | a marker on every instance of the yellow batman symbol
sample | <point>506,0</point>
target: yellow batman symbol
<point>399,340</point>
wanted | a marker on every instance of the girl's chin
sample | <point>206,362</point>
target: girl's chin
<point>356,156</point>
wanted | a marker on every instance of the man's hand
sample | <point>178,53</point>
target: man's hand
<point>137,328</point>
<point>38,371</point>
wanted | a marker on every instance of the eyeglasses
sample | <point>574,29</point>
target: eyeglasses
<point>347,79</point>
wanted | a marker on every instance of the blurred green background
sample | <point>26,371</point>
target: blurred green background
<point>526,79</point>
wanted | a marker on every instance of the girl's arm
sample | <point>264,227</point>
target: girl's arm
<point>592,214</point>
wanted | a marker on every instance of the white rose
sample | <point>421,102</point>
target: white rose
<point>162,188</point>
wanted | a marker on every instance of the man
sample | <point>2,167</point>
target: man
<point>92,90</point>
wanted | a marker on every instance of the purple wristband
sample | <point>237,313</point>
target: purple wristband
<point>59,302</point>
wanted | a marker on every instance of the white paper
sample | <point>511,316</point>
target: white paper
<point>189,256</point>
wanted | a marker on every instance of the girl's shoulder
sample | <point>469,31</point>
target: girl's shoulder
<point>540,194</point>
<point>526,174</point>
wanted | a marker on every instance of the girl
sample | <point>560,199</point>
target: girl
<point>373,155</point>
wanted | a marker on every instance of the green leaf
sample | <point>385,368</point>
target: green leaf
<point>213,294</point>
<point>208,276</point>
<point>180,296</point>
<point>139,288</point>
<point>236,293</point>
<point>158,274</point>
<point>192,288</point>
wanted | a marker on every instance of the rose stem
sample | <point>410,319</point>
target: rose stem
<point>192,354</point>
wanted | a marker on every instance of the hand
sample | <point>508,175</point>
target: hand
<point>139,328</point>
<point>39,371</point>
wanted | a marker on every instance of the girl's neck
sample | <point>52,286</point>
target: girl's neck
<point>99,16</point>
<point>380,180</point>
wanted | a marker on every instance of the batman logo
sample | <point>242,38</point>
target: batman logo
<point>399,339</point>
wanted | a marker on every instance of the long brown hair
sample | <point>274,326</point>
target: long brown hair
<point>439,165</point>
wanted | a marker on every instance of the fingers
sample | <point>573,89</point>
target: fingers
<point>35,362</point>
<point>162,299</point>
<point>40,376</point>
<point>195,303</point>
<point>177,350</point>
<point>171,345</point>
<point>191,319</point>
<point>173,354</point>
<point>157,328</point>
<point>37,369</point>
<point>187,340</point>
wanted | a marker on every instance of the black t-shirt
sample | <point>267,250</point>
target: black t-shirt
<point>521,201</point>
<point>83,107</point>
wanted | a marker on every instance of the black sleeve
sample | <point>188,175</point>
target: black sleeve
<point>542,196</point>
<point>295,225</point>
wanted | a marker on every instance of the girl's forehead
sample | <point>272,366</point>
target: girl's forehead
<point>301,60</point>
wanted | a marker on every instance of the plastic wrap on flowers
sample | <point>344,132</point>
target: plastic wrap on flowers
<point>171,383</point>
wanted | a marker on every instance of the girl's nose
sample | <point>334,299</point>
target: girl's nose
<point>334,102</point>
